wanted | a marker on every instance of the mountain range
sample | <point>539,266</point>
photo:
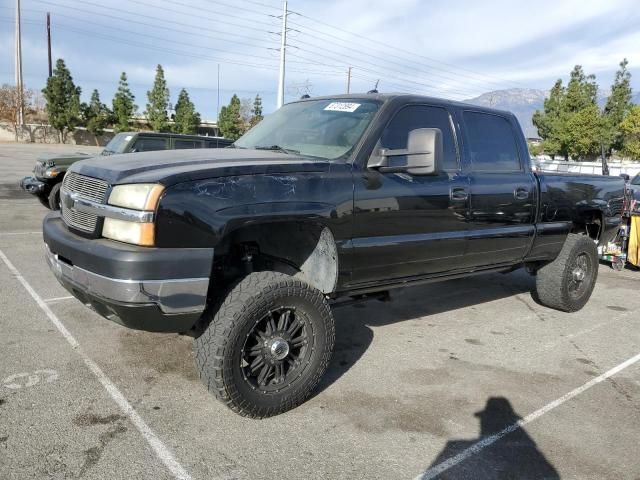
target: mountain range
<point>523,102</point>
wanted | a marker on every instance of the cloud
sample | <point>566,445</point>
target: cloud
<point>455,49</point>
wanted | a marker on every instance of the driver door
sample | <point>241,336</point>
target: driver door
<point>411,225</point>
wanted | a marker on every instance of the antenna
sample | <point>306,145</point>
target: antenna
<point>375,89</point>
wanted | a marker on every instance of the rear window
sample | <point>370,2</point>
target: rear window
<point>491,143</point>
<point>150,144</point>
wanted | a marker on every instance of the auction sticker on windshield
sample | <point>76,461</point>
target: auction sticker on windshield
<point>342,107</point>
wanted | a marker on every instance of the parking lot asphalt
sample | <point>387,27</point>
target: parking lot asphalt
<point>464,379</point>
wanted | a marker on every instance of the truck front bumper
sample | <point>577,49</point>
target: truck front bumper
<point>152,289</point>
<point>32,185</point>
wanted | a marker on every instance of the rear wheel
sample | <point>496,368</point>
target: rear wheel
<point>567,283</point>
<point>267,346</point>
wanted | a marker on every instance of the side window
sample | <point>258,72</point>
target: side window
<point>184,144</point>
<point>150,144</point>
<point>491,143</point>
<point>396,135</point>
<point>218,143</point>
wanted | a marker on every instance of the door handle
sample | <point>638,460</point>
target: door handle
<point>459,194</point>
<point>521,193</point>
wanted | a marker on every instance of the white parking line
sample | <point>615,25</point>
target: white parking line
<point>485,442</point>
<point>58,299</point>
<point>160,449</point>
<point>11,234</point>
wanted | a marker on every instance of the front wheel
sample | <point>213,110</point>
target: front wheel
<point>267,346</point>
<point>54,197</point>
<point>567,283</point>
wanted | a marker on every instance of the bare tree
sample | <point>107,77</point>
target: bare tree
<point>246,107</point>
<point>10,105</point>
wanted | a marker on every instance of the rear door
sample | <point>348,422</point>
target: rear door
<point>503,190</point>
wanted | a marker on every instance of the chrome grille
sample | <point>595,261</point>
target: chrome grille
<point>87,188</point>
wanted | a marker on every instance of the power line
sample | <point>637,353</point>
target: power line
<point>226,22</point>
<point>263,4</point>
<point>191,45</point>
<point>182,12</point>
<point>175,52</point>
<point>161,22</point>
<point>445,75</point>
<point>396,48</point>
<point>383,72</point>
<point>151,25</point>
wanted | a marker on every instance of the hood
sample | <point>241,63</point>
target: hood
<point>174,166</point>
<point>63,160</point>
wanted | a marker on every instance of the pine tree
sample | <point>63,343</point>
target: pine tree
<point>582,91</point>
<point>123,106</point>
<point>256,112</point>
<point>549,122</point>
<point>630,129</point>
<point>158,104</point>
<point>63,100</point>
<point>230,121</point>
<point>187,120</point>
<point>96,115</point>
<point>617,107</point>
<point>571,123</point>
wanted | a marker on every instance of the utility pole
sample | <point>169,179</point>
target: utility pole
<point>218,102</point>
<point>283,47</point>
<point>349,81</point>
<point>19,85</point>
<point>49,42</point>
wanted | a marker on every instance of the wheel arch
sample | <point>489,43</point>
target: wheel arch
<point>305,249</point>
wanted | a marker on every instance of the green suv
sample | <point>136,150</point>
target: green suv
<point>48,172</point>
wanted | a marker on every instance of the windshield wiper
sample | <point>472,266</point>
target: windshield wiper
<point>278,148</point>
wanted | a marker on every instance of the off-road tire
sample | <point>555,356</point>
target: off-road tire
<point>556,280</point>
<point>54,197</point>
<point>219,349</point>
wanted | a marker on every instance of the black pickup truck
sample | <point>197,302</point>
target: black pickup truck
<point>326,200</point>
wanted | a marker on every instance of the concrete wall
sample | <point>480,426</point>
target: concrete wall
<point>37,133</point>
<point>615,168</point>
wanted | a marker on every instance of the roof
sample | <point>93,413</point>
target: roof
<point>385,97</point>
<point>176,135</point>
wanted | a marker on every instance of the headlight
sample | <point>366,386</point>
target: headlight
<point>142,234</point>
<point>138,196</point>
<point>51,172</point>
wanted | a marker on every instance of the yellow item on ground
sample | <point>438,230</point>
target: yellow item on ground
<point>634,241</point>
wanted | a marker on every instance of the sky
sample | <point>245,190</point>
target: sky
<point>454,49</point>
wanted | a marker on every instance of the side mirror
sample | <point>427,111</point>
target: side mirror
<point>423,152</point>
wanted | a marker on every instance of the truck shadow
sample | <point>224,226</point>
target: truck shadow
<point>509,453</point>
<point>355,323</point>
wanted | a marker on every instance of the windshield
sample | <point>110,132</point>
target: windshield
<point>636,180</point>
<point>117,144</point>
<point>318,128</point>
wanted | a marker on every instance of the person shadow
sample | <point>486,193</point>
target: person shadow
<point>513,456</point>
